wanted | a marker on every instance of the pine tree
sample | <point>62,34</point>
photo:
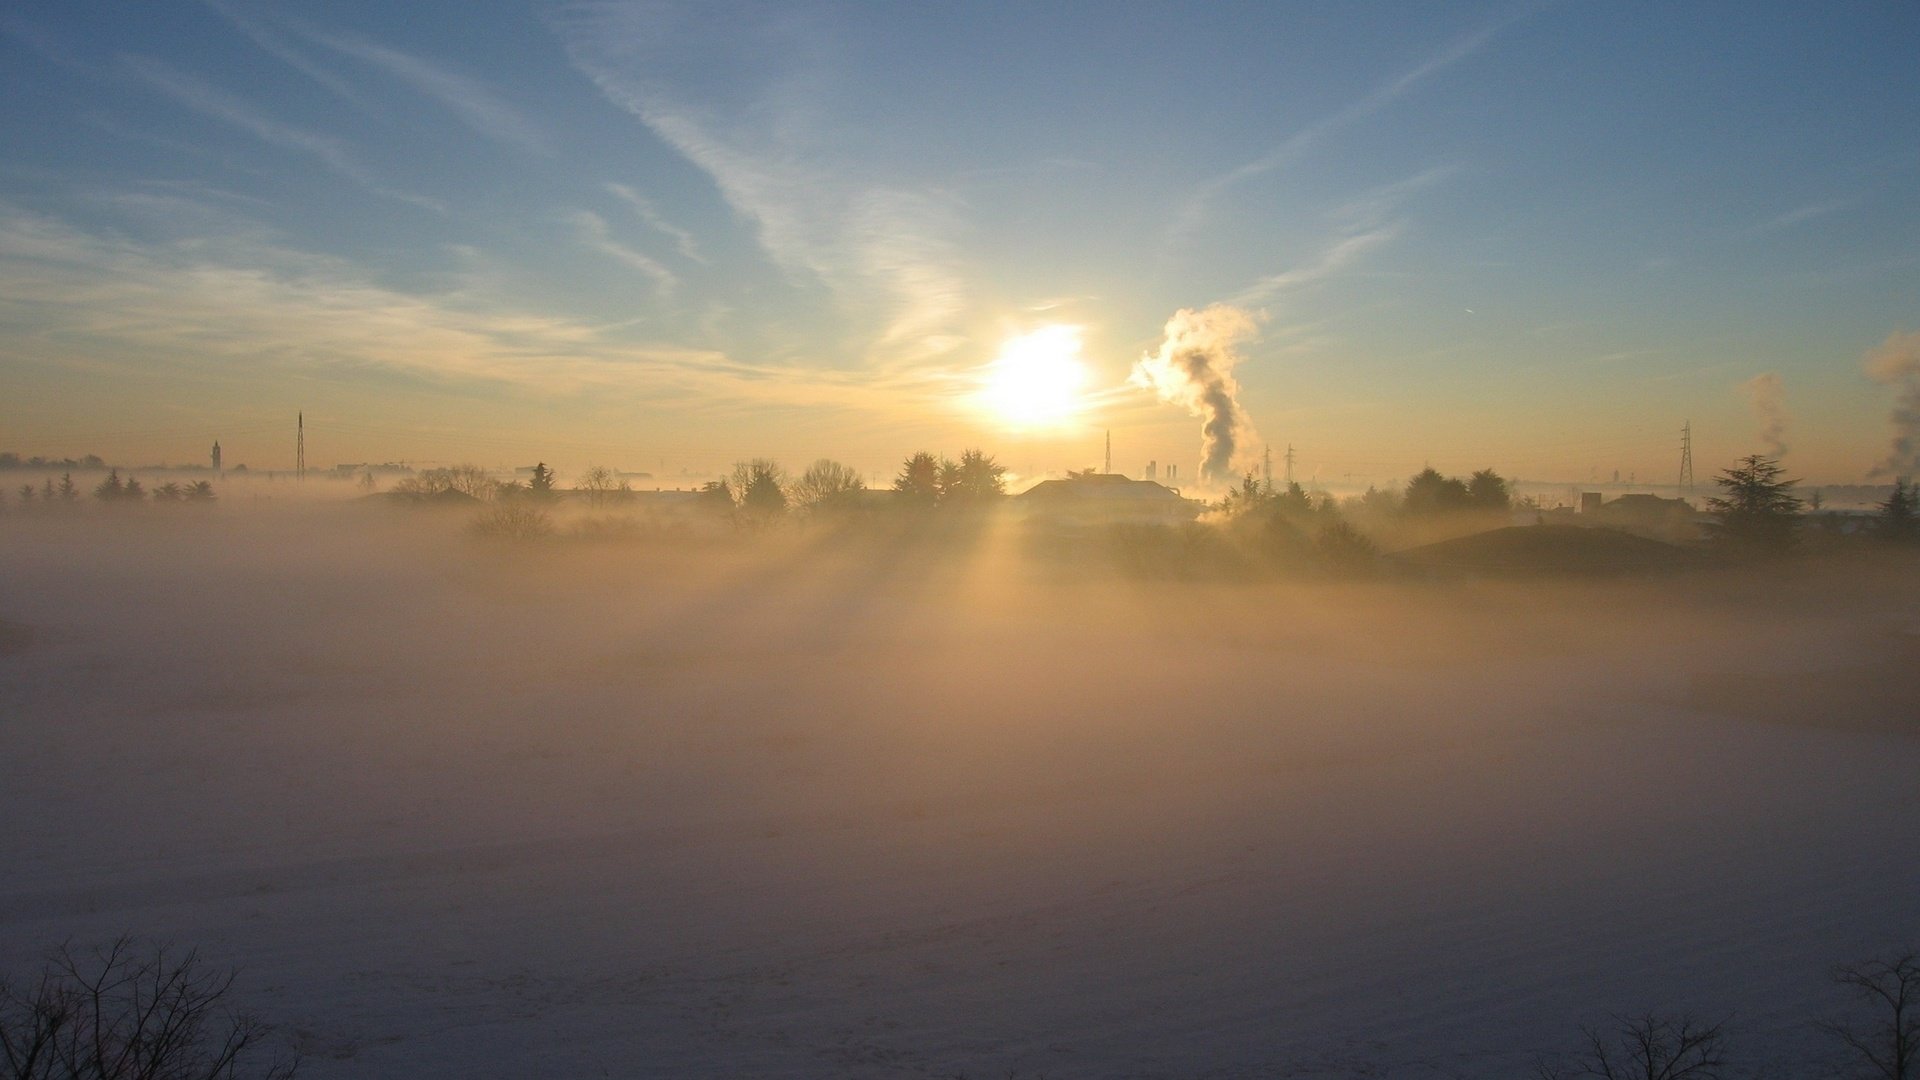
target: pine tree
<point>540,484</point>
<point>919,479</point>
<point>1896,519</point>
<point>1759,509</point>
<point>110,489</point>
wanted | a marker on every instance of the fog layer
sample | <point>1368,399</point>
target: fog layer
<point>833,805</point>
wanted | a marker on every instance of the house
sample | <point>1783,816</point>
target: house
<point>1651,515</point>
<point>1104,499</point>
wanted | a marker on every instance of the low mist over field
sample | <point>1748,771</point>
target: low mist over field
<point>933,801</point>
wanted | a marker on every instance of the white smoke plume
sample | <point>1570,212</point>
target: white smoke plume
<point>1766,394</point>
<point>1896,363</point>
<point>1194,369</point>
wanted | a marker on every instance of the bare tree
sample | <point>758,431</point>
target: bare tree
<point>1891,1045</point>
<point>825,487</point>
<point>1649,1048</point>
<point>602,485</point>
<point>124,1012</point>
<point>468,480</point>
<point>512,519</point>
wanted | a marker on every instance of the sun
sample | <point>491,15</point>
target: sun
<point>1038,379</point>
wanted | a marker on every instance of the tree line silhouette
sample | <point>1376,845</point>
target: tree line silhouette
<point>113,490</point>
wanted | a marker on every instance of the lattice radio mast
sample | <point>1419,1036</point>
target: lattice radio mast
<point>1686,458</point>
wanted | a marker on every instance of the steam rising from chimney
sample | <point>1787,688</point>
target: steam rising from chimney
<point>1897,363</point>
<point>1767,396</point>
<point>1194,369</point>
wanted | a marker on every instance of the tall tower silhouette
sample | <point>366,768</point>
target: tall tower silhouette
<point>217,471</point>
<point>1686,458</point>
<point>1109,465</point>
<point>300,449</point>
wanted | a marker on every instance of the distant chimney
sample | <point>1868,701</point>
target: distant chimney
<point>1153,470</point>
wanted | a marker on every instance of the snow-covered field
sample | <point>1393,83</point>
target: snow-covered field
<point>832,808</point>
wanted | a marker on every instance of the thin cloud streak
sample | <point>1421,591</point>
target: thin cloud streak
<point>591,231</point>
<point>650,216</point>
<point>208,101</point>
<point>1193,212</point>
<point>1798,216</point>
<point>478,107</point>
<point>239,303</point>
<point>1331,261</point>
<point>886,250</point>
<point>277,47</point>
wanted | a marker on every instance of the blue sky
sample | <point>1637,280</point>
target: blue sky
<point>1531,236</point>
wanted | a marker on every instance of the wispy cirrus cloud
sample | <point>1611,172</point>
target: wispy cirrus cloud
<point>241,302</point>
<point>477,106</point>
<point>651,217</point>
<point>1364,223</point>
<point>1797,216</point>
<point>1335,258</point>
<point>275,44</point>
<point>1194,210</point>
<point>473,102</point>
<point>590,229</point>
<point>203,98</point>
<point>886,248</point>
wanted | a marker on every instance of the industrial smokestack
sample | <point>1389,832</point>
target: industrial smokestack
<point>1896,363</point>
<point>1194,369</point>
<point>1767,397</point>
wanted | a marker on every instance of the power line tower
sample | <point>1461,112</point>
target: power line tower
<point>300,448</point>
<point>1686,458</point>
<point>1109,466</point>
<point>1289,466</point>
<point>1266,468</point>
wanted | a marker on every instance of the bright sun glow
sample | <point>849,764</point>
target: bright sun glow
<point>1038,378</point>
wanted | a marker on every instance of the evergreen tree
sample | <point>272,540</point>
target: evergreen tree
<point>540,484</point>
<point>1429,492</point>
<point>110,489</point>
<point>1759,509</point>
<point>977,476</point>
<point>949,483</point>
<point>760,485</point>
<point>919,479</point>
<point>1487,490</point>
<point>1896,520</point>
<point>1249,498</point>
<point>716,498</point>
<point>68,491</point>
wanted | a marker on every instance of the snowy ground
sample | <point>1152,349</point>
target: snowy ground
<point>852,809</point>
